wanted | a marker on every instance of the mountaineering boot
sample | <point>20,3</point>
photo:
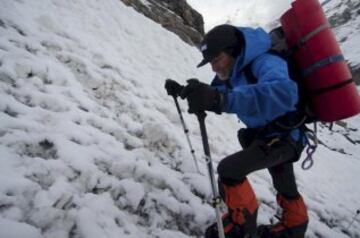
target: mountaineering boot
<point>240,221</point>
<point>293,222</point>
<point>231,230</point>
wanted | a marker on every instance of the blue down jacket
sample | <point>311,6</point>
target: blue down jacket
<point>272,96</point>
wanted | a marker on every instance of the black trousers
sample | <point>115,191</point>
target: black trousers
<point>275,154</point>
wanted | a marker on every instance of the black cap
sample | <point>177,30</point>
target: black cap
<point>218,39</point>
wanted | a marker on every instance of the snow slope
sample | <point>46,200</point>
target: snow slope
<point>91,145</point>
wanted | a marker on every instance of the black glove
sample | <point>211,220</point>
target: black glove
<point>173,88</point>
<point>201,97</point>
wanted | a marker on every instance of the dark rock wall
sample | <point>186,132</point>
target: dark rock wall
<point>176,16</point>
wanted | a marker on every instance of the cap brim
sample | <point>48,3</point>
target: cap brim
<point>202,63</point>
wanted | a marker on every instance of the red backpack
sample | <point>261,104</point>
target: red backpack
<point>316,63</point>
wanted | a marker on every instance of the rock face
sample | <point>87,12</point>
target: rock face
<point>343,12</point>
<point>355,70</point>
<point>176,16</point>
<point>344,17</point>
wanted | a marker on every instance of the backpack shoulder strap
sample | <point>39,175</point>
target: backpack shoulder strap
<point>250,74</point>
<point>251,79</point>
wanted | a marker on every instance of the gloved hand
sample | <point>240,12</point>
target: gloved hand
<point>173,88</point>
<point>201,97</point>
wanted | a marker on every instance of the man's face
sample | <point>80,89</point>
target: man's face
<point>222,65</point>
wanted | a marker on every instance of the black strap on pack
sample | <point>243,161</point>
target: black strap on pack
<point>249,74</point>
<point>251,79</point>
<point>297,122</point>
<point>286,122</point>
<point>331,88</point>
<point>307,37</point>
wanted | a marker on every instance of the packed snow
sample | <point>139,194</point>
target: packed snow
<point>92,146</point>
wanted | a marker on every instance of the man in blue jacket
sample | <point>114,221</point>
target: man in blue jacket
<point>253,83</point>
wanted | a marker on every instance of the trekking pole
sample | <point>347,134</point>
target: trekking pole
<point>186,131</point>
<point>354,218</point>
<point>216,198</point>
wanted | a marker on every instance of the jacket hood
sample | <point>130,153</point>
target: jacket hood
<point>257,42</point>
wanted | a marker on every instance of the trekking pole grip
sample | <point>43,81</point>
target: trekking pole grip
<point>201,118</point>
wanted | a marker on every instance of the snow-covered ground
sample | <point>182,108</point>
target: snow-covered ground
<point>91,145</point>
